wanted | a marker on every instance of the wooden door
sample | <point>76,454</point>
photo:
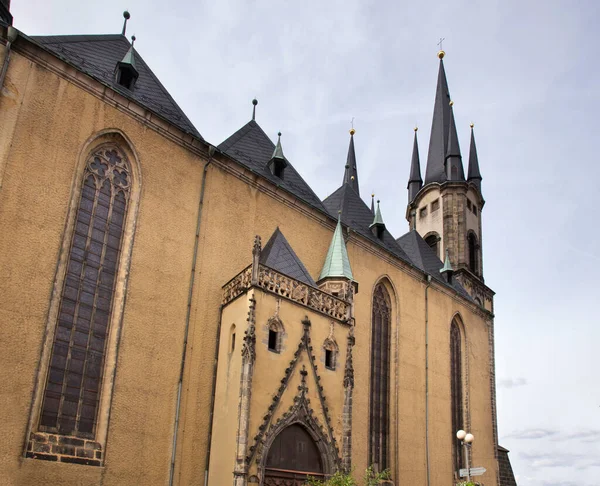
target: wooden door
<point>292,457</point>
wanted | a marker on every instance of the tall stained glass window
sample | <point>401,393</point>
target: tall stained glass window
<point>72,388</point>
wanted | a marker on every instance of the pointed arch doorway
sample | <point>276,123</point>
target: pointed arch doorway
<point>292,457</point>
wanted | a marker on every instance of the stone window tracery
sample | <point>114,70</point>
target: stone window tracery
<point>456,390</point>
<point>74,379</point>
<point>380,378</point>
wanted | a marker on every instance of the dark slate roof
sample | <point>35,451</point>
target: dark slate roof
<point>5,16</point>
<point>278,255</point>
<point>351,170</point>
<point>252,148</point>
<point>357,215</point>
<point>473,172</point>
<point>422,256</point>
<point>505,471</point>
<point>98,55</point>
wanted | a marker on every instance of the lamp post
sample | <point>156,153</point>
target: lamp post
<point>466,439</point>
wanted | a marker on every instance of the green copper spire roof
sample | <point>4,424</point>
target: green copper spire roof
<point>447,265</point>
<point>130,55</point>
<point>278,152</point>
<point>337,263</point>
<point>378,220</point>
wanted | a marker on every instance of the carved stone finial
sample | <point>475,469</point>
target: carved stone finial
<point>256,249</point>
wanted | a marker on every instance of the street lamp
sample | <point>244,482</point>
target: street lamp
<point>466,439</point>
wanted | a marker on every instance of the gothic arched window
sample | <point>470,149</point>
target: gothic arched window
<point>472,243</point>
<point>456,391</point>
<point>380,378</point>
<point>74,381</point>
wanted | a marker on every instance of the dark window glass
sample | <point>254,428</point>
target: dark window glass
<point>456,392</point>
<point>273,340</point>
<point>380,378</point>
<point>329,358</point>
<point>70,401</point>
<point>472,252</point>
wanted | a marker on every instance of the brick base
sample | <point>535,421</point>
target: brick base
<point>61,448</point>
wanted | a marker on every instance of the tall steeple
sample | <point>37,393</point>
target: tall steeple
<point>453,163</point>
<point>414,181</point>
<point>351,174</point>
<point>440,128</point>
<point>474,175</point>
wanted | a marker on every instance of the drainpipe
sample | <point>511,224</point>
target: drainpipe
<point>214,391</point>
<point>427,377</point>
<point>11,35</point>
<point>211,151</point>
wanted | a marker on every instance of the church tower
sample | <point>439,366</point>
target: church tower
<point>446,209</point>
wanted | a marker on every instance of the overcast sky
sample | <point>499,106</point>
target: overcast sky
<point>523,71</point>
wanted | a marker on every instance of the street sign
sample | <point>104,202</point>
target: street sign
<point>475,471</point>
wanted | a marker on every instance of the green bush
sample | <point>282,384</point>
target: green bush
<point>371,478</point>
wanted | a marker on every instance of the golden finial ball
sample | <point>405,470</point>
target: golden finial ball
<point>441,54</point>
<point>451,103</point>
<point>472,124</point>
<point>416,129</point>
<point>373,194</point>
<point>352,178</point>
<point>352,131</point>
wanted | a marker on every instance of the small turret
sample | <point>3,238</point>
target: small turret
<point>473,175</point>
<point>126,73</point>
<point>415,183</point>
<point>278,162</point>
<point>336,276</point>
<point>447,269</point>
<point>378,226</point>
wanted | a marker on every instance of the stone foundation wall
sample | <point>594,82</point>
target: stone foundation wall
<point>60,448</point>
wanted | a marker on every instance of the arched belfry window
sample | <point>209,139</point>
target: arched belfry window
<point>456,391</point>
<point>433,241</point>
<point>473,253</point>
<point>73,384</point>
<point>380,378</point>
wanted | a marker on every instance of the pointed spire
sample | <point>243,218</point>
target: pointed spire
<point>351,174</point>
<point>373,203</point>
<point>414,181</point>
<point>474,175</point>
<point>254,103</point>
<point>447,268</point>
<point>438,142</point>
<point>337,263</point>
<point>378,226</point>
<point>278,162</point>
<point>453,162</point>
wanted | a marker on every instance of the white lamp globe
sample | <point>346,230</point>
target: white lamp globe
<point>469,438</point>
<point>461,434</point>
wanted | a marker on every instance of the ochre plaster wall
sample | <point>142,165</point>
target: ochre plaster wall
<point>45,122</point>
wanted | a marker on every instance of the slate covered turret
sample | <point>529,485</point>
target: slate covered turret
<point>378,226</point>
<point>473,174</point>
<point>351,173</point>
<point>415,183</point>
<point>126,72</point>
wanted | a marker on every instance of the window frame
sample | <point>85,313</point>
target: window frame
<point>102,139</point>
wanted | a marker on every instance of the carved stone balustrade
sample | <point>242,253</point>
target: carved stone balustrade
<point>289,288</point>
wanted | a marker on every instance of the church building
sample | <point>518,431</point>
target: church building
<point>180,312</point>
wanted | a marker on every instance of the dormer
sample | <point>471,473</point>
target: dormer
<point>126,73</point>
<point>278,163</point>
